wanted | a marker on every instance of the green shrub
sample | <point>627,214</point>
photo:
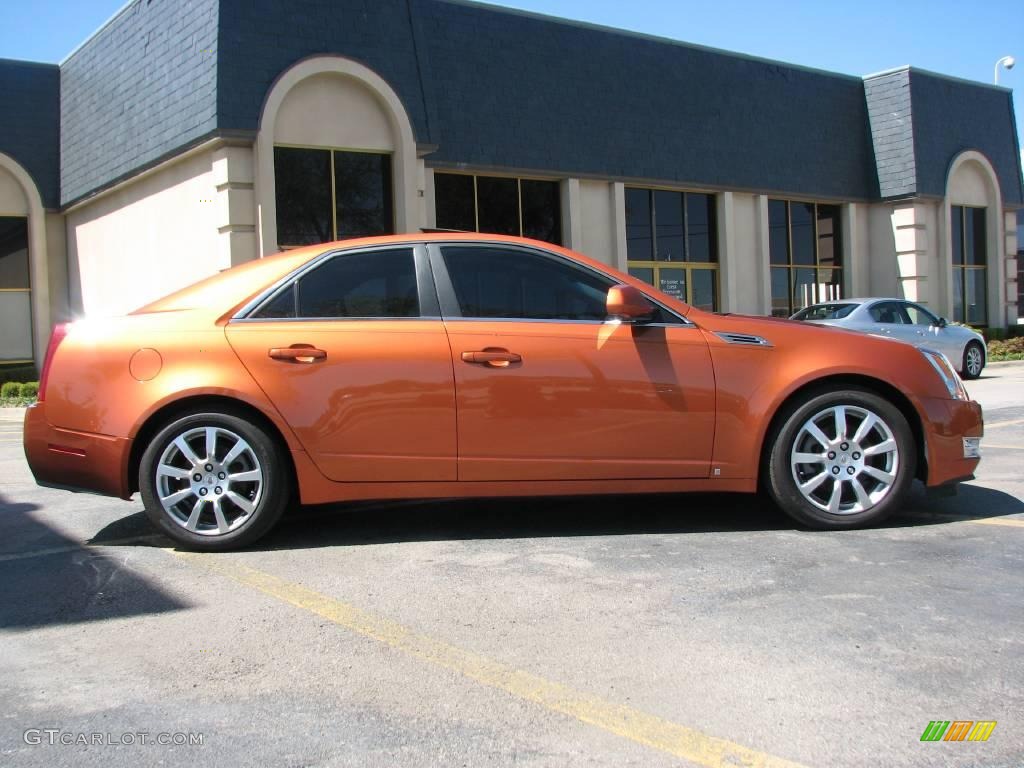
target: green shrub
<point>10,389</point>
<point>30,389</point>
<point>1014,346</point>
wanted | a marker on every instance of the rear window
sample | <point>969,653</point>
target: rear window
<point>825,312</point>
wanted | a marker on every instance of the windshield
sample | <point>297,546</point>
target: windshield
<point>825,312</point>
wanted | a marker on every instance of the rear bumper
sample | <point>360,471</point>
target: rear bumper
<point>76,461</point>
<point>947,423</point>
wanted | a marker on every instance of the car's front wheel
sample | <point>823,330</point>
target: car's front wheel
<point>842,460</point>
<point>213,481</point>
<point>974,361</point>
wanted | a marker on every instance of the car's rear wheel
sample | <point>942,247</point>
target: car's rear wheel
<point>213,481</point>
<point>842,460</point>
<point>974,361</point>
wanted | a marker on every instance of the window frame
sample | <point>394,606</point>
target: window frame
<point>334,192</point>
<point>425,288</point>
<point>687,266</point>
<point>29,290</point>
<point>451,311</point>
<point>518,179</point>
<point>790,266</point>
<point>963,267</point>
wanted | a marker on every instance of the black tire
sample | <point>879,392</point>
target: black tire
<point>781,474</point>
<point>979,365</point>
<point>266,497</point>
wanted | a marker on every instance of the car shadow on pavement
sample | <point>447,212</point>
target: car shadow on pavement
<point>364,523</point>
<point>50,578</point>
<point>972,502</point>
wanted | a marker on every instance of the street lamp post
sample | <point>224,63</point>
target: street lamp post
<point>1006,61</point>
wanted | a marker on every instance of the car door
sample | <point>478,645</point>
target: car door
<point>935,335</point>
<point>890,319</point>
<point>353,353</point>
<point>548,389</point>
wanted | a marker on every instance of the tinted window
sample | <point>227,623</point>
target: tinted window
<point>888,312</point>
<point>639,240</point>
<point>14,253</point>
<point>302,179</point>
<point>365,284</point>
<point>456,201</point>
<point>825,312</point>
<point>362,193</point>
<point>511,283</point>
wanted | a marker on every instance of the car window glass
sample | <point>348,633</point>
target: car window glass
<point>888,312</point>
<point>825,312</point>
<point>500,282</point>
<point>920,315</point>
<point>363,284</point>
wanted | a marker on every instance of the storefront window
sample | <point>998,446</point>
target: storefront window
<point>671,243</point>
<point>499,205</point>
<point>970,265</point>
<point>805,254</point>
<point>325,195</point>
<point>15,291</point>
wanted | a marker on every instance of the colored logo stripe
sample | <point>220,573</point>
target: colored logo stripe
<point>958,730</point>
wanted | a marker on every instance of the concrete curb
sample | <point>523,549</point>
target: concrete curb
<point>1004,363</point>
<point>12,414</point>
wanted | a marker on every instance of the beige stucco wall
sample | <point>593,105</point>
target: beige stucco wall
<point>12,197</point>
<point>331,110</point>
<point>336,103</point>
<point>743,255</point>
<point>597,220</point>
<point>144,239</point>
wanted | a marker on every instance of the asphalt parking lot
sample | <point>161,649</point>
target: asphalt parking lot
<point>702,630</point>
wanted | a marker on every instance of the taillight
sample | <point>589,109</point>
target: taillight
<point>60,330</point>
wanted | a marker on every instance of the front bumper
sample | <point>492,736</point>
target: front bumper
<point>946,424</point>
<point>76,461</point>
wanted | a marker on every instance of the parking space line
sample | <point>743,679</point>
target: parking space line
<point>1012,522</point>
<point>1005,447</point>
<point>633,724</point>
<point>998,424</point>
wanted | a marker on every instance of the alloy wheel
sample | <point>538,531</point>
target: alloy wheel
<point>845,459</point>
<point>209,480</point>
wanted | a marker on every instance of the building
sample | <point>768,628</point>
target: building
<point>186,136</point>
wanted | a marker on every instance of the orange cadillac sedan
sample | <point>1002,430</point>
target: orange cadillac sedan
<point>464,365</point>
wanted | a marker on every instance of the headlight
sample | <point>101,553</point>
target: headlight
<point>946,372</point>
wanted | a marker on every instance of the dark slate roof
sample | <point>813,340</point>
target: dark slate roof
<point>495,88</point>
<point>30,122</point>
<point>892,132</point>
<point>499,88</point>
<point>141,88</point>
<point>951,116</point>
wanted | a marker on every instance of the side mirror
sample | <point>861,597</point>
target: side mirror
<point>627,303</point>
<point>941,323</point>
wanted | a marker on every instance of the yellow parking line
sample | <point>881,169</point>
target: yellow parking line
<point>633,724</point>
<point>998,424</point>
<point>1012,522</point>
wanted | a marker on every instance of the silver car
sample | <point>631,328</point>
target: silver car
<point>906,321</point>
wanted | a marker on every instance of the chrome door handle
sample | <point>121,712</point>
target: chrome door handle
<point>492,357</point>
<point>297,353</point>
